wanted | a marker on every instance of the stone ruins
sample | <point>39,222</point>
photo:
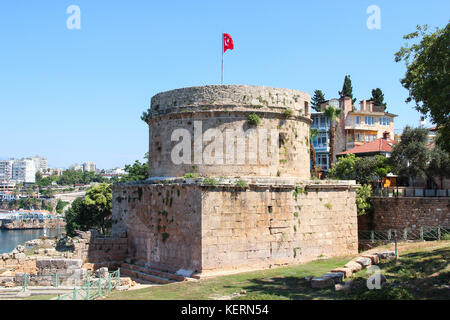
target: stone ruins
<point>229,186</point>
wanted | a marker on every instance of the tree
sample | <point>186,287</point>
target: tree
<point>378,98</point>
<point>347,89</point>
<point>410,156</point>
<point>93,211</point>
<point>363,202</point>
<point>312,151</point>
<point>333,114</point>
<point>427,77</point>
<point>137,171</point>
<point>317,100</point>
<point>365,170</point>
<point>439,165</point>
<point>38,176</point>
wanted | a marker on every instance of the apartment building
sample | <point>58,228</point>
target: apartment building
<point>24,170</point>
<point>89,167</point>
<point>355,127</point>
<point>6,170</point>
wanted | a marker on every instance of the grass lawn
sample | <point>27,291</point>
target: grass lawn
<point>273,284</point>
<point>422,272</point>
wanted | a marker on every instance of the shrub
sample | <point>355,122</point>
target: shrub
<point>363,203</point>
<point>190,175</point>
<point>288,112</point>
<point>241,184</point>
<point>253,119</point>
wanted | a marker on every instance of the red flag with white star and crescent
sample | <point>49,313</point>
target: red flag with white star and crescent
<point>227,42</point>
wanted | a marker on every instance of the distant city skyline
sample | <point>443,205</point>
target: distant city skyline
<point>76,94</point>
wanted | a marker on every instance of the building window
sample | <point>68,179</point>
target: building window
<point>322,140</point>
<point>369,120</point>
<point>385,121</point>
<point>322,161</point>
<point>358,120</point>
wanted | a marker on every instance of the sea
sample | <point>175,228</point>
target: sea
<point>10,239</point>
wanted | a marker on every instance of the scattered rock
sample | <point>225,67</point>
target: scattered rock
<point>364,262</point>
<point>8,284</point>
<point>102,273</point>
<point>346,286</point>
<point>88,266</point>
<point>346,271</point>
<point>353,266</point>
<point>20,248</point>
<point>373,257</point>
<point>19,256</point>
<point>337,277</point>
<point>322,283</point>
<point>243,292</point>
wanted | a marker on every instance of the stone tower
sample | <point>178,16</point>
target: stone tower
<point>229,186</point>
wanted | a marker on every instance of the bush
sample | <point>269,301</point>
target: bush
<point>253,119</point>
<point>363,202</point>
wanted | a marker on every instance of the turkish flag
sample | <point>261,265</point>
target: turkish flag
<point>227,42</point>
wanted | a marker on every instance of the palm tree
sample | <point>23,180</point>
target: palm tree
<point>312,151</point>
<point>333,114</point>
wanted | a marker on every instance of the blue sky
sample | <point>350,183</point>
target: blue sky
<point>77,95</point>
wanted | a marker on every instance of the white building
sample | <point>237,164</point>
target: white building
<point>41,164</point>
<point>6,169</point>
<point>89,166</point>
<point>76,167</point>
<point>24,170</point>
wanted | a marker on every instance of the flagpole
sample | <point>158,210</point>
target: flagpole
<point>222,58</point>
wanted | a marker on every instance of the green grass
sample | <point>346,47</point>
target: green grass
<point>419,273</point>
<point>274,284</point>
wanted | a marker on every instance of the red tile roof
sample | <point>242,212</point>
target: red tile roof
<point>378,145</point>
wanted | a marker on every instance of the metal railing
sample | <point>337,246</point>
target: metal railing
<point>425,233</point>
<point>26,280</point>
<point>94,288</point>
<point>410,192</point>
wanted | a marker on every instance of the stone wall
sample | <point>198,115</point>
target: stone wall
<point>222,227</point>
<point>412,213</point>
<point>100,251</point>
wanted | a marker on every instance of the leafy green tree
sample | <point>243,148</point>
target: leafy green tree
<point>317,100</point>
<point>427,77</point>
<point>60,205</point>
<point>94,211</point>
<point>347,89</point>
<point>38,176</point>
<point>439,165</point>
<point>345,168</point>
<point>137,171</point>
<point>378,98</point>
<point>363,202</point>
<point>333,114</point>
<point>365,170</point>
<point>410,156</point>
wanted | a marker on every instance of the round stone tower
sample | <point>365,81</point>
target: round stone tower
<point>230,131</point>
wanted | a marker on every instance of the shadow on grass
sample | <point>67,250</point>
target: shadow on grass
<point>416,275</point>
<point>292,288</point>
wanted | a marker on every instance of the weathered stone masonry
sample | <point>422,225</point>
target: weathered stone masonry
<point>408,212</point>
<point>278,216</point>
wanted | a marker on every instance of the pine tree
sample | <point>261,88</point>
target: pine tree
<point>378,98</point>
<point>317,100</point>
<point>347,89</point>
